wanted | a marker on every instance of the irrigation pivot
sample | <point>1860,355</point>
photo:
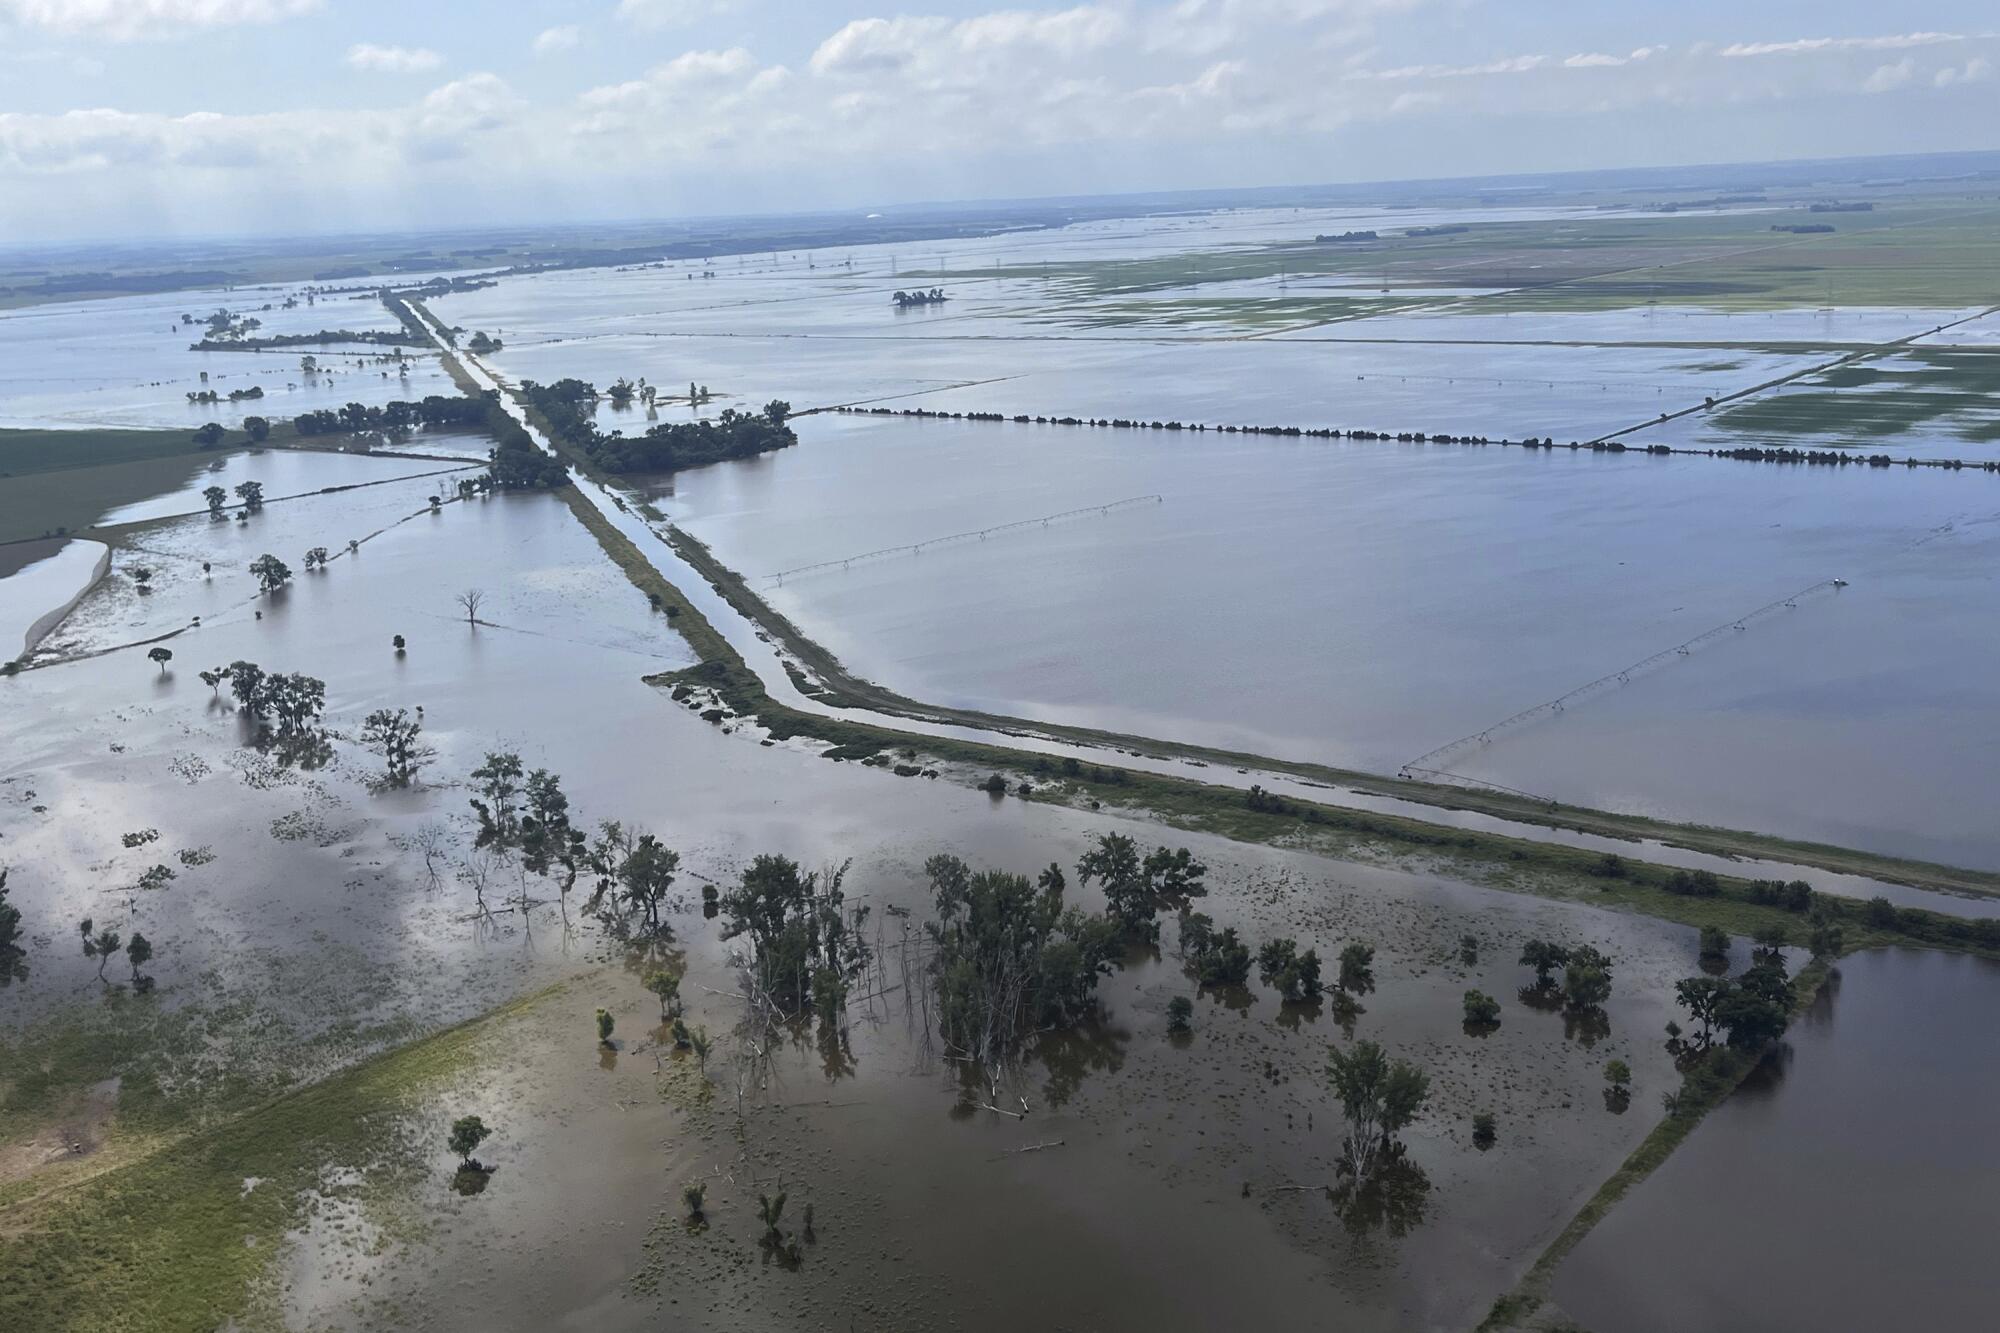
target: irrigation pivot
<point>978,534</point>
<point>1432,764</point>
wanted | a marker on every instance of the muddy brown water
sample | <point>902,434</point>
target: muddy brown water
<point>315,905</point>
<point>1848,1185</point>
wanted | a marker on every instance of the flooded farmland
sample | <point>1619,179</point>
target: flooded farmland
<point>1878,1106</point>
<point>553,923</point>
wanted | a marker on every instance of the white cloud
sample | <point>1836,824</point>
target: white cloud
<point>1974,70</point>
<point>392,59</point>
<point>1813,45</point>
<point>551,40</point>
<point>127,20</point>
<point>1888,78</point>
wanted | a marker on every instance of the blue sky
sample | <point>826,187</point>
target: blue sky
<point>178,117</point>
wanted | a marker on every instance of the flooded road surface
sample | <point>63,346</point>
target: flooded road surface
<point>1849,1185</point>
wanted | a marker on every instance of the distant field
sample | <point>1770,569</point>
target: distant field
<point>1916,253</point>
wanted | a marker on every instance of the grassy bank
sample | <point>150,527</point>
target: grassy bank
<point>183,1231</point>
<point>1704,1087</point>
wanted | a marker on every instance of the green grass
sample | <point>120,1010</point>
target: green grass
<point>28,452</point>
<point>169,1239</point>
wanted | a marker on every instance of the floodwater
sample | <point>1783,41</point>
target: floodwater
<point>1848,1185</point>
<point>1362,603</point>
<point>305,888</point>
<point>38,579</point>
<point>125,362</point>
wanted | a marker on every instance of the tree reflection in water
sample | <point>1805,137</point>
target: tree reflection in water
<point>1394,1198</point>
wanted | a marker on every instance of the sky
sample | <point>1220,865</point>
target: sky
<point>161,119</point>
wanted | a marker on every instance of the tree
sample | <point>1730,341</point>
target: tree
<point>10,922</point>
<point>1180,1014</point>
<point>162,656</point>
<point>399,645</point>
<point>1771,941</point>
<point>1545,957</point>
<point>1482,1011</point>
<point>309,366</point>
<point>471,599</point>
<point>272,573</point>
<point>1751,1018</point>
<point>665,982</point>
<point>1357,970</point>
<point>106,943</point>
<point>1618,1074</point>
<point>395,737</point>
<point>604,1025</point>
<point>259,428</point>
<point>294,698</point>
<point>217,498</point>
<point>246,682</point>
<point>1485,1130</point>
<point>1701,997</point>
<point>799,932</point>
<point>777,411</point>
<point>252,495</point>
<point>1135,891</point>
<point>1009,958</point>
<point>1378,1097</point>
<point>1586,978</point>
<point>209,434</point>
<point>138,952</point>
<point>317,557</point>
<point>1714,942</point>
<point>499,780</point>
<point>213,679</point>
<point>1294,975</point>
<point>467,1133</point>
<point>1826,936</point>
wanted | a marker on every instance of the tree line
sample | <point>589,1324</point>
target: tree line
<point>568,406</point>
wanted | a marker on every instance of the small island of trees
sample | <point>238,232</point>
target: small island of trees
<point>935,296</point>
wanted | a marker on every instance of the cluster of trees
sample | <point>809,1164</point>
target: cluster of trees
<point>107,943</point>
<point>1745,1013</point>
<point>434,410</point>
<point>1010,958</point>
<point>1324,239</point>
<point>206,396</point>
<point>932,296</point>
<point>481,343</point>
<point>1586,974</point>
<point>567,405</point>
<point>805,944</point>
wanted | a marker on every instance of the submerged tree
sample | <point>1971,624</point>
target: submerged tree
<point>1357,968</point>
<point>217,499</point>
<point>1010,959</point>
<point>498,782</point>
<point>804,945</point>
<point>162,656</point>
<point>1586,978</point>
<point>1135,891</point>
<point>1545,957</point>
<point>1482,1012</point>
<point>1294,975</point>
<point>1379,1097</point>
<point>395,736</point>
<point>271,572</point>
<point>252,495</point>
<point>470,601</point>
<point>138,952</point>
